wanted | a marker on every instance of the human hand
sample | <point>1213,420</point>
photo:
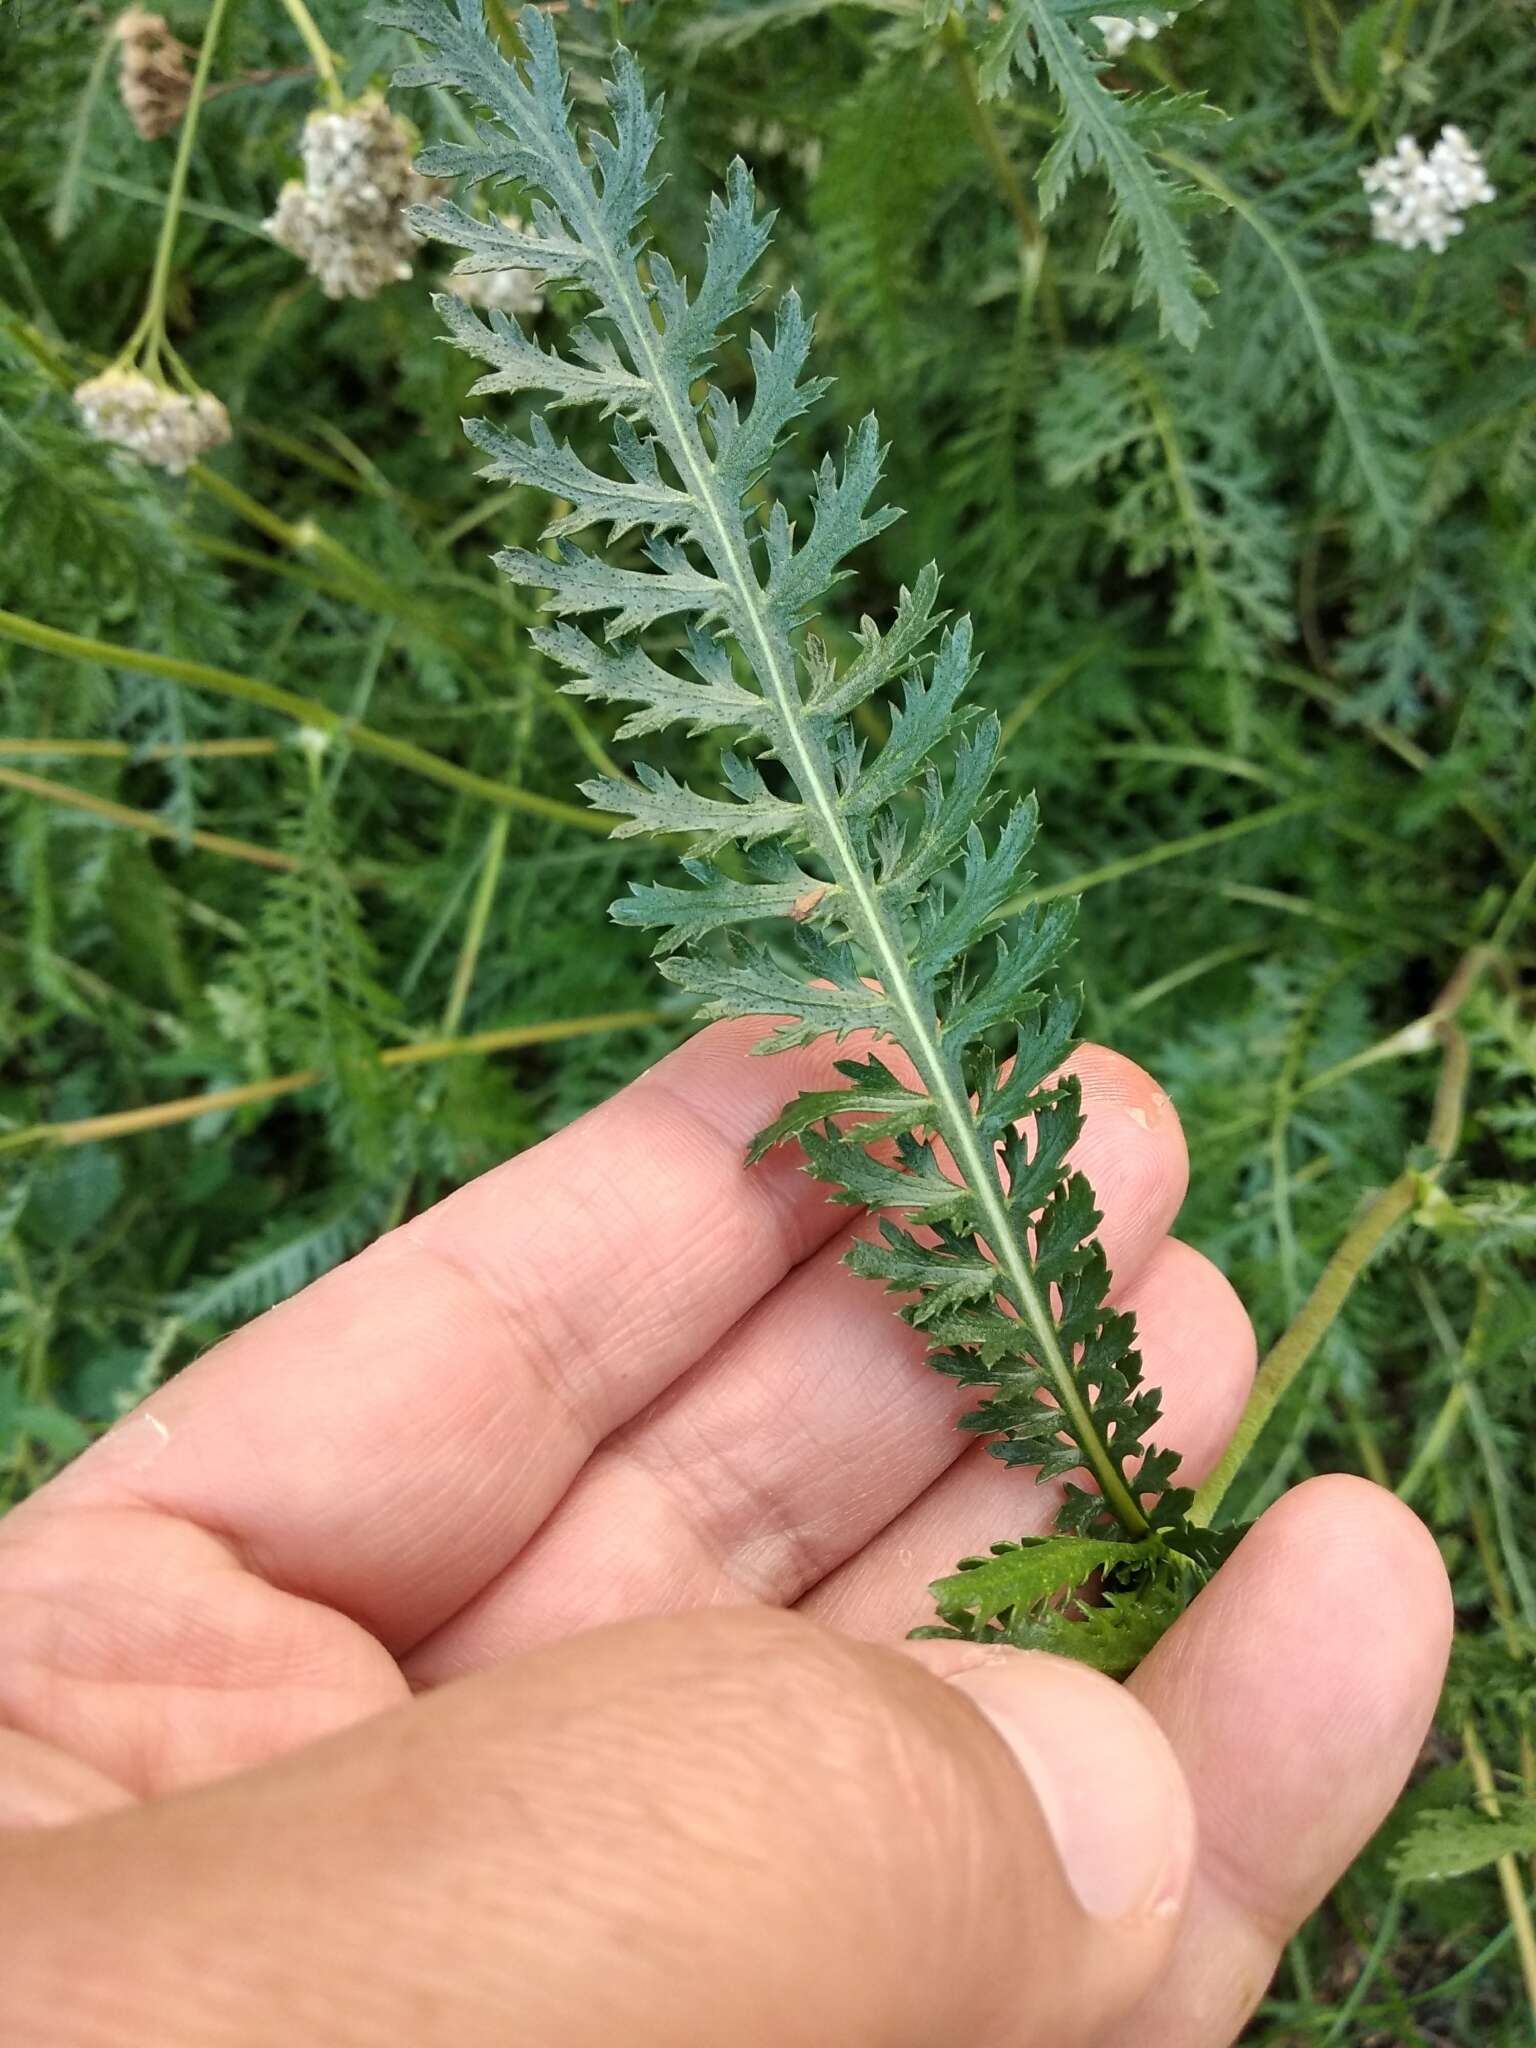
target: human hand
<point>308,1730</point>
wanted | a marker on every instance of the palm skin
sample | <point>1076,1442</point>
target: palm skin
<point>624,1376</point>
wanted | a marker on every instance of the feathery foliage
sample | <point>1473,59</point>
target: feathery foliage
<point>1121,136</point>
<point>1270,666</point>
<point>870,902</point>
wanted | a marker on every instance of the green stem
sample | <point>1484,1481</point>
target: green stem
<point>1038,279</point>
<point>1167,849</point>
<point>157,1116</point>
<point>225,682</point>
<point>1336,101</point>
<point>124,750</point>
<point>1352,418</point>
<point>367,587</point>
<point>147,823</point>
<point>150,332</point>
<point>319,53</point>
<point>1197,527</point>
<point>1336,1282</point>
<point>1516,1905</point>
<point>1407,751</point>
<point>479,918</point>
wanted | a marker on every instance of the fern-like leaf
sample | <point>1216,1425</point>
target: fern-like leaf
<point>872,892</point>
<point>1118,134</point>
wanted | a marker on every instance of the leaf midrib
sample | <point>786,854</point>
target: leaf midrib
<point>812,771</point>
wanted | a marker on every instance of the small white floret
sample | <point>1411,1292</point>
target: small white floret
<point>1418,198</point>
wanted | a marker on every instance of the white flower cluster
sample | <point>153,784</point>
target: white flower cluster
<point>343,220</point>
<point>1120,31</point>
<point>166,428</point>
<point>1418,200</point>
<point>517,292</point>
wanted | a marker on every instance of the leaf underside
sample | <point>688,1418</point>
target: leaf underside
<point>865,896</point>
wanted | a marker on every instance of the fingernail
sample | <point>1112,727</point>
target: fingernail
<point>1108,1784</point>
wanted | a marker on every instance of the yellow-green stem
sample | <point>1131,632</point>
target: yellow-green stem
<point>1038,279</point>
<point>124,750</point>
<point>1510,1882</point>
<point>150,332</point>
<point>147,823</point>
<point>1168,849</point>
<point>479,918</point>
<point>125,1123</point>
<point>1320,1310</point>
<point>225,682</point>
<point>319,53</point>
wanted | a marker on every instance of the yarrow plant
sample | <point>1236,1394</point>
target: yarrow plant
<point>147,401</point>
<point>863,897</point>
<point>1418,198</point>
<point>345,218</point>
<point>300,930</point>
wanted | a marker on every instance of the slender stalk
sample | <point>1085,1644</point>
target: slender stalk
<point>150,332</point>
<point>1320,1310</point>
<point>1407,751</point>
<point>1045,689</point>
<point>223,682</point>
<point>144,822</point>
<point>319,52</point>
<point>1515,909</point>
<point>479,918</point>
<point>124,750</point>
<point>1337,102</point>
<point>307,536</point>
<point>1217,613</point>
<point>1039,281</point>
<point>1386,1933</point>
<point>1346,404</point>
<point>1516,1905</point>
<point>1235,765</point>
<point>1168,849</point>
<point>92,985</point>
<point>1192,970</point>
<point>125,1123</point>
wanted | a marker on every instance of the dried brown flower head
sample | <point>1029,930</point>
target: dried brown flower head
<point>155,80</point>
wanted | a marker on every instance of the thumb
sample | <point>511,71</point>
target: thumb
<point>728,1827</point>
